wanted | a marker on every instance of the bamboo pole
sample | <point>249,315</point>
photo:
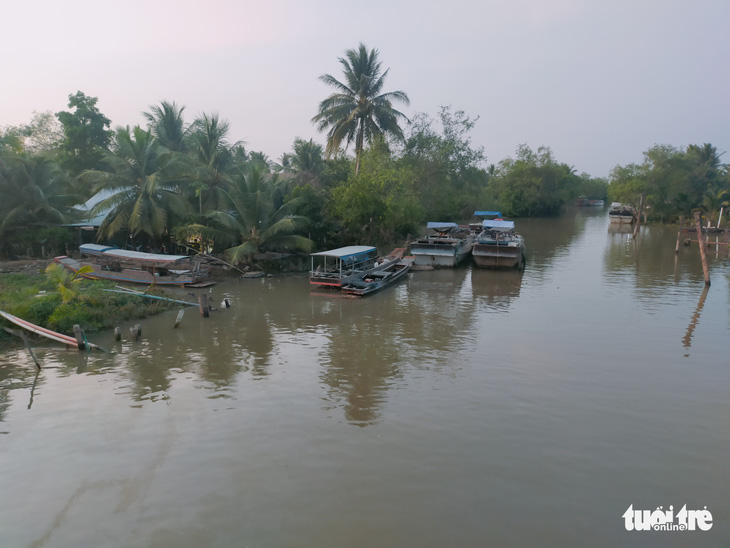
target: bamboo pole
<point>179,318</point>
<point>679,233</point>
<point>26,342</point>
<point>703,251</point>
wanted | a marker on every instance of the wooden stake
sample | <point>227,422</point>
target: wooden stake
<point>203,305</point>
<point>703,251</point>
<point>136,332</point>
<point>179,317</point>
<point>80,337</point>
<point>117,334</point>
<point>679,233</point>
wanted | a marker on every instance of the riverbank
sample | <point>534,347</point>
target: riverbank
<point>30,295</point>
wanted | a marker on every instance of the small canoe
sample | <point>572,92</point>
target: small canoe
<point>379,279</point>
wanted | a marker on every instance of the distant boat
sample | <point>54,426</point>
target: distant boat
<point>587,202</point>
<point>378,279</point>
<point>621,214</point>
<point>336,267</point>
<point>447,245</point>
<point>499,246</point>
<point>120,265</point>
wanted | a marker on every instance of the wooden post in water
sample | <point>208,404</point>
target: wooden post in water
<point>179,317</point>
<point>117,334</point>
<point>203,305</point>
<point>638,216</point>
<point>136,332</point>
<point>679,233</point>
<point>703,249</point>
<point>79,334</point>
<point>26,342</point>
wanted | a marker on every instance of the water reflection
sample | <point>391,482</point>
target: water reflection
<point>496,290</point>
<point>687,339</point>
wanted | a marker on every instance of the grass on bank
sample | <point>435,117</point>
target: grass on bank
<point>37,299</point>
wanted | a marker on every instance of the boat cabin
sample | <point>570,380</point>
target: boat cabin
<point>330,268</point>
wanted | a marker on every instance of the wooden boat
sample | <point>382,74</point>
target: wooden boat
<point>582,201</point>
<point>43,332</point>
<point>499,246</point>
<point>379,279</point>
<point>446,246</point>
<point>120,265</point>
<point>621,214</point>
<point>336,267</point>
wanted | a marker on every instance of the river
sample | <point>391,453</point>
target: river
<point>462,407</point>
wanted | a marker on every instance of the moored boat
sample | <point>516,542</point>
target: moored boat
<point>120,265</point>
<point>378,279</point>
<point>336,267</point>
<point>621,214</point>
<point>499,246</point>
<point>446,246</point>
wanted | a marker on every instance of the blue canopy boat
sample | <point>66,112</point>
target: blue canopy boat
<point>499,246</point>
<point>338,266</point>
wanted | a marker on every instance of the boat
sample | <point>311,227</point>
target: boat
<point>447,245</point>
<point>621,214</point>
<point>120,265</point>
<point>366,284</point>
<point>499,246</point>
<point>336,267</point>
<point>43,332</point>
<point>582,201</point>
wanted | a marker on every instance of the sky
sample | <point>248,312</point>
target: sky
<point>599,82</point>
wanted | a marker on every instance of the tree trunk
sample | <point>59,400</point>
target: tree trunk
<point>359,146</point>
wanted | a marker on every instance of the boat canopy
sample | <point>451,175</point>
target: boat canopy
<point>143,257</point>
<point>95,249</point>
<point>504,225</point>
<point>346,252</point>
<point>441,226</point>
<point>487,214</point>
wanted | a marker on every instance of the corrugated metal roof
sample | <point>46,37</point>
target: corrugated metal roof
<point>440,226</point>
<point>498,224</point>
<point>344,252</point>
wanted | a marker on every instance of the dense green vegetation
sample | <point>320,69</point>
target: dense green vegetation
<point>180,183</point>
<point>57,302</point>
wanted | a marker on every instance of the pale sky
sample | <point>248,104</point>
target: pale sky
<point>598,81</point>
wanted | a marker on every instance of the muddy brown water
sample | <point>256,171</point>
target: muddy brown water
<point>460,408</point>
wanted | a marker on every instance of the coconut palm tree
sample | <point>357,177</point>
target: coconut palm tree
<point>143,195</point>
<point>359,110</point>
<point>252,223</point>
<point>211,160</point>
<point>35,192</point>
<point>165,121</point>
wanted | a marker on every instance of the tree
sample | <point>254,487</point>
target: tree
<point>534,184</point>
<point>166,123</point>
<point>36,194</point>
<point>211,159</point>
<point>86,133</point>
<point>307,162</point>
<point>142,194</point>
<point>449,178</point>
<point>42,134</point>
<point>250,222</point>
<point>359,111</point>
<point>380,198</point>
